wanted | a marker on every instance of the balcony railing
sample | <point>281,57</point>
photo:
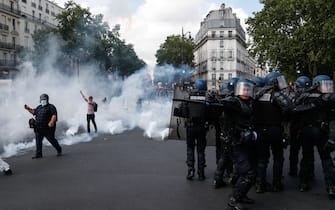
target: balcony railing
<point>10,46</point>
<point>37,19</point>
<point>4,27</point>
<point>9,9</point>
<point>7,62</point>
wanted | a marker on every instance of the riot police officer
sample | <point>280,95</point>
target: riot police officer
<point>242,135</point>
<point>301,84</point>
<point>315,105</point>
<point>45,126</point>
<point>223,145</point>
<point>196,130</point>
<point>270,107</point>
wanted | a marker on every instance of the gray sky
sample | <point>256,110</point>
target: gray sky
<point>147,23</point>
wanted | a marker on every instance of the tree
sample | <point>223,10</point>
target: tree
<point>294,35</point>
<point>87,38</point>
<point>176,50</point>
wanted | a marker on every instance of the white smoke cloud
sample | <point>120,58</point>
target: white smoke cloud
<point>128,104</point>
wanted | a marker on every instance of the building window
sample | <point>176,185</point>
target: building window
<point>26,29</point>
<point>213,34</point>
<point>221,77</point>
<point>222,13</point>
<point>230,75</point>
<point>14,24</point>
<point>221,54</point>
<point>24,1</point>
<point>4,38</point>
<point>221,44</point>
<point>213,53</point>
<point>221,34</point>
<point>221,65</point>
<point>213,65</point>
<point>14,41</point>
<point>230,54</point>
<point>33,14</point>
<point>26,41</point>
<point>230,33</point>
<point>40,16</point>
<point>213,79</point>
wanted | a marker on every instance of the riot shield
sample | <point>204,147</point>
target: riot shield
<point>182,108</point>
<point>177,129</point>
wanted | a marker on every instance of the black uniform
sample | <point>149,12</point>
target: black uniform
<point>224,147</point>
<point>242,138</point>
<point>196,134</point>
<point>315,132</point>
<point>269,115</point>
<point>43,116</point>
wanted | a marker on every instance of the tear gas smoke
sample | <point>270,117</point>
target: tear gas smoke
<point>123,105</point>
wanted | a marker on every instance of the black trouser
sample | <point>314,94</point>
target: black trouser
<point>269,137</point>
<point>310,137</point>
<point>89,118</point>
<point>48,133</point>
<point>295,146</point>
<point>218,142</point>
<point>225,162</point>
<point>244,163</point>
<point>196,136</point>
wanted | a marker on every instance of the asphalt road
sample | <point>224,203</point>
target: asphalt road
<point>129,171</point>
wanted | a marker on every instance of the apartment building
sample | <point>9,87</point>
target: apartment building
<point>19,19</point>
<point>220,52</point>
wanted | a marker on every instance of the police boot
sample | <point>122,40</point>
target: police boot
<point>218,183</point>
<point>8,172</point>
<point>190,173</point>
<point>201,174</point>
<point>260,187</point>
<point>247,200</point>
<point>304,187</point>
<point>233,204</point>
<point>331,192</point>
<point>277,186</point>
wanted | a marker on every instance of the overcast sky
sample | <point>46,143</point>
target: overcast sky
<point>147,23</point>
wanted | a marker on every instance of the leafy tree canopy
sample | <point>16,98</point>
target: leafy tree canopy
<point>293,35</point>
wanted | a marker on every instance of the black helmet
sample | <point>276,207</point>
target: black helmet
<point>44,96</point>
<point>303,82</point>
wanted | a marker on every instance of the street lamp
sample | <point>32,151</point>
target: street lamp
<point>182,43</point>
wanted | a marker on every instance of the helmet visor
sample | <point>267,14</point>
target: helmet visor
<point>326,86</point>
<point>244,89</point>
<point>282,84</point>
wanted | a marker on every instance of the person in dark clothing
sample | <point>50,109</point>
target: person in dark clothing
<point>243,138</point>
<point>315,106</point>
<point>196,131</point>
<point>301,84</point>
<point>90,112</point>
<point>270,109</point>
<point>224,163</point>
<point>45,125</point>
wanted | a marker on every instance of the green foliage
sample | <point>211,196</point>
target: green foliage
<point>295,34</point>
<point>176,50</point>
<point>88,38</point>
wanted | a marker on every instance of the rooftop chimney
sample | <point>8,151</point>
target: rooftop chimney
<point>222,6</point>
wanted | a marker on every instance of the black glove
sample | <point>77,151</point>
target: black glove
<point>329,146</point>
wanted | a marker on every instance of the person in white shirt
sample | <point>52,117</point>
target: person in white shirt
<point>90,112</point>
